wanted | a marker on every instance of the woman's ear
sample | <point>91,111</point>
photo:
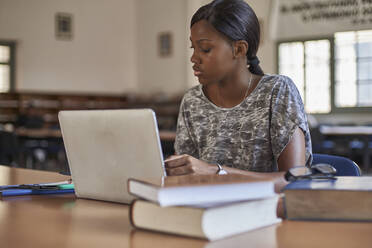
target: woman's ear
<point>240,48</point>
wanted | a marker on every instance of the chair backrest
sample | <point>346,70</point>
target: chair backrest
<point>8,148</point>
<point>344,166</point>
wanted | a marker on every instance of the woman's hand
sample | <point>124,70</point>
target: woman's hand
<point>177,165</point>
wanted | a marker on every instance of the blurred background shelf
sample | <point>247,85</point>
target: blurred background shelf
<point>31,136</point>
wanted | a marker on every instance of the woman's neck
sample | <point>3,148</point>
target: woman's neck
<point>230,92</point>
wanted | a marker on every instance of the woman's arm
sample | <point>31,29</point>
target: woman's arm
<point>292,155</point>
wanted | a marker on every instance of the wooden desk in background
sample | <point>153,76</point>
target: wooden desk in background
<point>362,133</point>
<point>63,221</point>
<point>42,133</point>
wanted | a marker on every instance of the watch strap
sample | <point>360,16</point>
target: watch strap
<point>220,171</point>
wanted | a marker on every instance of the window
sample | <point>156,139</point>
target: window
<point>331,74</point>
<point>307,63</point>
<point>353,66</point>
<point>6,66</point>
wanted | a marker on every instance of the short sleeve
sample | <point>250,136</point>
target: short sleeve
<point>184,143</point>
<point>287,113</point>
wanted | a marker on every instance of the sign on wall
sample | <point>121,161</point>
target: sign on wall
<point>293,19</point>
<point>63,26</point>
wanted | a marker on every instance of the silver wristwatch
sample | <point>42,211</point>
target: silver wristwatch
<point>220,171</point>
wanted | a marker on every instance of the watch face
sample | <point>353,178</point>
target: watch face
<point>222,172</point>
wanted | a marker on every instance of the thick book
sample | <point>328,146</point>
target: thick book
<point>201,189</point>
<point>340,199</point>
<point>207,222</point>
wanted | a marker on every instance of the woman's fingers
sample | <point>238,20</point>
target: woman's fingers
<point>178,171</point>
<point>178,165</point>
<point>176,161</point>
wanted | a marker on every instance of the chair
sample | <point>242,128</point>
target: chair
<point>344,166</point>
<point>8,148</point>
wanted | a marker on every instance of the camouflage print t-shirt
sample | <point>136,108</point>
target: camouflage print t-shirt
<point>249,136</point>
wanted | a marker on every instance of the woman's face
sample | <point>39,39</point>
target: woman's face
<point>212,56</point>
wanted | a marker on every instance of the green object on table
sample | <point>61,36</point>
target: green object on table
<point>66,186</point>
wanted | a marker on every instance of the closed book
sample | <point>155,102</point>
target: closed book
<point>201,189</point>
<point>340,199</point>
<point>207,222</point>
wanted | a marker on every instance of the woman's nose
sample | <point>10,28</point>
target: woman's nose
<point>194,58</point>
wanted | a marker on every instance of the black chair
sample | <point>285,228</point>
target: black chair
<point>344,166</point>
<point>8,148</point>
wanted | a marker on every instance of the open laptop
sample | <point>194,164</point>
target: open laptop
<point>106,147</point>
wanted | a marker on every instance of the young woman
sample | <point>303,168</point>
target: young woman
<point>238,120</point>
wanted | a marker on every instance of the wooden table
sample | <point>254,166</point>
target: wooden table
<point>63,221</point>
<point>362,133</point>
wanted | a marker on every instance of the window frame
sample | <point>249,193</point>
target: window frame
<point>11,63</point>
<point>334,108</point>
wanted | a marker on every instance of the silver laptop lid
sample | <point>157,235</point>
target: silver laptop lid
<point>106,147</point>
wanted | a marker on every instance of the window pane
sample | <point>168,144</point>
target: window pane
<point>365,69</point>
<point>291,63</point>
<point>4,54</point>
<point>364,49</point>
<point>364,52</point>
<point>4,78</point>
<point>345,70</point>
<point>318,83</point>
<point>365,93</point>
<point>353,68</point>
<point>365,37</point>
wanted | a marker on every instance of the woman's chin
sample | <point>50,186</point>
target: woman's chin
<point>203,81</point>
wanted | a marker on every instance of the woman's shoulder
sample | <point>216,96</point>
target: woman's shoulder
<point>192,93</point>
<point>278,80</point>
<point>280,83</point>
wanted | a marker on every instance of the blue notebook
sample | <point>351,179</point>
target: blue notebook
<point>36,189</point>
<point>15,192</point>
<point>341,199</point>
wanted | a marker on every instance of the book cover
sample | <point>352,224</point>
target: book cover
<point>201,189</point>
<point>340,199</point>
<point>206,222</point>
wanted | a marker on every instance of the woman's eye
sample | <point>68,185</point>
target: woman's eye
<point>203,50</point>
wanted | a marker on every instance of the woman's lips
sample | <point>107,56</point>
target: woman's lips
<point>197,71</point>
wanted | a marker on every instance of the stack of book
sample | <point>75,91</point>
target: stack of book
<point>203,206</point>
<point>339,199</point>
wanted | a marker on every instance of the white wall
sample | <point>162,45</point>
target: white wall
<point>114,49</point>
<point>101,58</point>
<point>161,74</point>
<point>266,51</point>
